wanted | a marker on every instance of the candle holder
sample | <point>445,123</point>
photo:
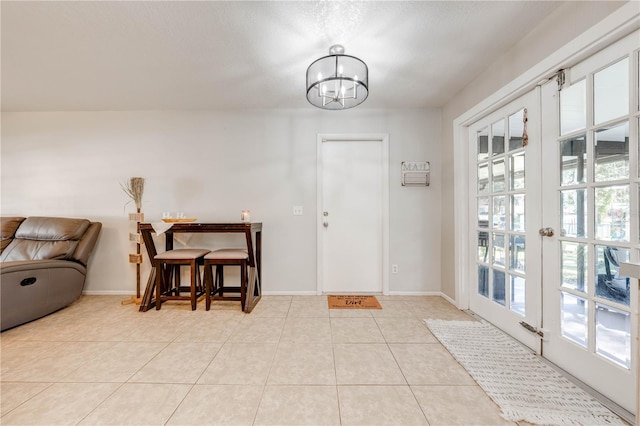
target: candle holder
<point>245,216</point>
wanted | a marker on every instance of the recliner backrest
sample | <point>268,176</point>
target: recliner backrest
<point>48,238</point>
<point>8,227</point>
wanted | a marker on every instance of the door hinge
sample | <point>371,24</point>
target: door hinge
<point>532,329</point>
<point>560,79</point>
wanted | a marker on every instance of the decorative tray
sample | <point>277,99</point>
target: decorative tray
<point>182,220</point>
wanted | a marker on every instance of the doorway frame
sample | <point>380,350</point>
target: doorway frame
<point>383,138</point>
<point>615,26</point>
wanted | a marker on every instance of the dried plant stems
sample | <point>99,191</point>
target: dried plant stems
<point>134,189</point>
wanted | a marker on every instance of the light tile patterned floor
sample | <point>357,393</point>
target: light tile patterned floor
<point>292,361</point>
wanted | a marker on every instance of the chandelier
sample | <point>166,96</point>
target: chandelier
<point>337,81</point>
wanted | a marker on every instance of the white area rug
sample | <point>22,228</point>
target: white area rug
<point>522,385</point>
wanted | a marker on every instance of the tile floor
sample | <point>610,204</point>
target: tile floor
<point>292,361</point>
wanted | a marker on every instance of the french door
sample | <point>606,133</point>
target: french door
<point>590,192</point>
<point>505,147</point>
<point>554,217</point>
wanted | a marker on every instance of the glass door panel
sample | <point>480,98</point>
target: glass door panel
<point>611,153</point>
<point>506,222</point>
<point>593,198</point>
<point>573,108</point>
<point>611,92</point>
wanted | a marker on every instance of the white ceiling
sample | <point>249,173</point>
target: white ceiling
<point>230,55</point>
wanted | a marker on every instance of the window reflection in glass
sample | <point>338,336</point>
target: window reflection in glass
<point>497,174</point>
<point>483,212</point>
<point>517,253</point>
<point>483,178</point>
<point>573,157</point>
<point>497,138</point>
<point>518,295</point>
<point>613,334</point>
<point>611,153</point>
<point>499,212</point>
<point>483,246</point>
<point>483,281</point>
<point>574,318</point>
<point>498,249</point>
<point>516,128</point>
<point>483,144</point>
<point>609,284</point>
<point>517,212</point>
<point>573,212</point>
<point>574,266</point>
<point>612,213</point>
<point>573,107</point>
<point>499,287</point>
<point>611,92</point>
<point>516,171</point>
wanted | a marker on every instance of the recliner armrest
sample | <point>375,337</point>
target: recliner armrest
<point>87,243</point>
<point>31,265</point>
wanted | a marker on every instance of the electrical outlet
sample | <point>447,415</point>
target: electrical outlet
<point>394,269</point>
<point>297,210</point>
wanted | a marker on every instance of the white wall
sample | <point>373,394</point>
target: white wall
<point>211,165</point>
<point>559,28</point>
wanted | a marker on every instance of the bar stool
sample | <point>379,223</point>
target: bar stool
<point>168,275</point>
<point>216,288</point>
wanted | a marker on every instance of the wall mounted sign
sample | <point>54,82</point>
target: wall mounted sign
<point>415,173</point>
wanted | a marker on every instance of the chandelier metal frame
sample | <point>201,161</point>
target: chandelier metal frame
<point>344,83</point>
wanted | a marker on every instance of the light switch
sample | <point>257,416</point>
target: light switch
<point>297,210</point>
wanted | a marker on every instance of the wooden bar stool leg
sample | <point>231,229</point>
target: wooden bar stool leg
<point>159,278</point>
<point>176,278</point>
<point>220,280</point>
<point>194,301</point>
<point>207,285</point>
<point>243,284</point>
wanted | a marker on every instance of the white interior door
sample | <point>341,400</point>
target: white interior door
<point>505,219</point>
<point>351,219</point>
<point>590,199</point>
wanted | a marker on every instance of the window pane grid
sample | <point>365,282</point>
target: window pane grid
<point>500,203</point>
<point>599,193</point>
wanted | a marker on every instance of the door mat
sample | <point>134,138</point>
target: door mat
<point>343,301</point>
<point>519,381</point>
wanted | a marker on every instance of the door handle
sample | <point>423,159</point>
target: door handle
<point>546,232</point>
<point>325,224</point>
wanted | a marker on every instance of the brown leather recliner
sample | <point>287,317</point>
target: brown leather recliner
<point>43,265</point>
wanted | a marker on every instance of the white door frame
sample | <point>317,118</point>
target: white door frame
<point>612,28</point>
<point>373,137</point>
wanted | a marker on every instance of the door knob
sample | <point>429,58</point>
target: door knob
<point>546,232</point>
<point>325,224</point>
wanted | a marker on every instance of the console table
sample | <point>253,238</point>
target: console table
<point>253,237</point>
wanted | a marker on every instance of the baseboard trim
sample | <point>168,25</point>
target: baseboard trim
<point>284,293</point>
<point>450,300</point>
<point>290,293</point>
<point>415,293</point>
<point>108,293</point>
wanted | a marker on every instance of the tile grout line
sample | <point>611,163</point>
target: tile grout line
<point>275,353</point>
<point>335,369</point>
<point>402,372</point>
